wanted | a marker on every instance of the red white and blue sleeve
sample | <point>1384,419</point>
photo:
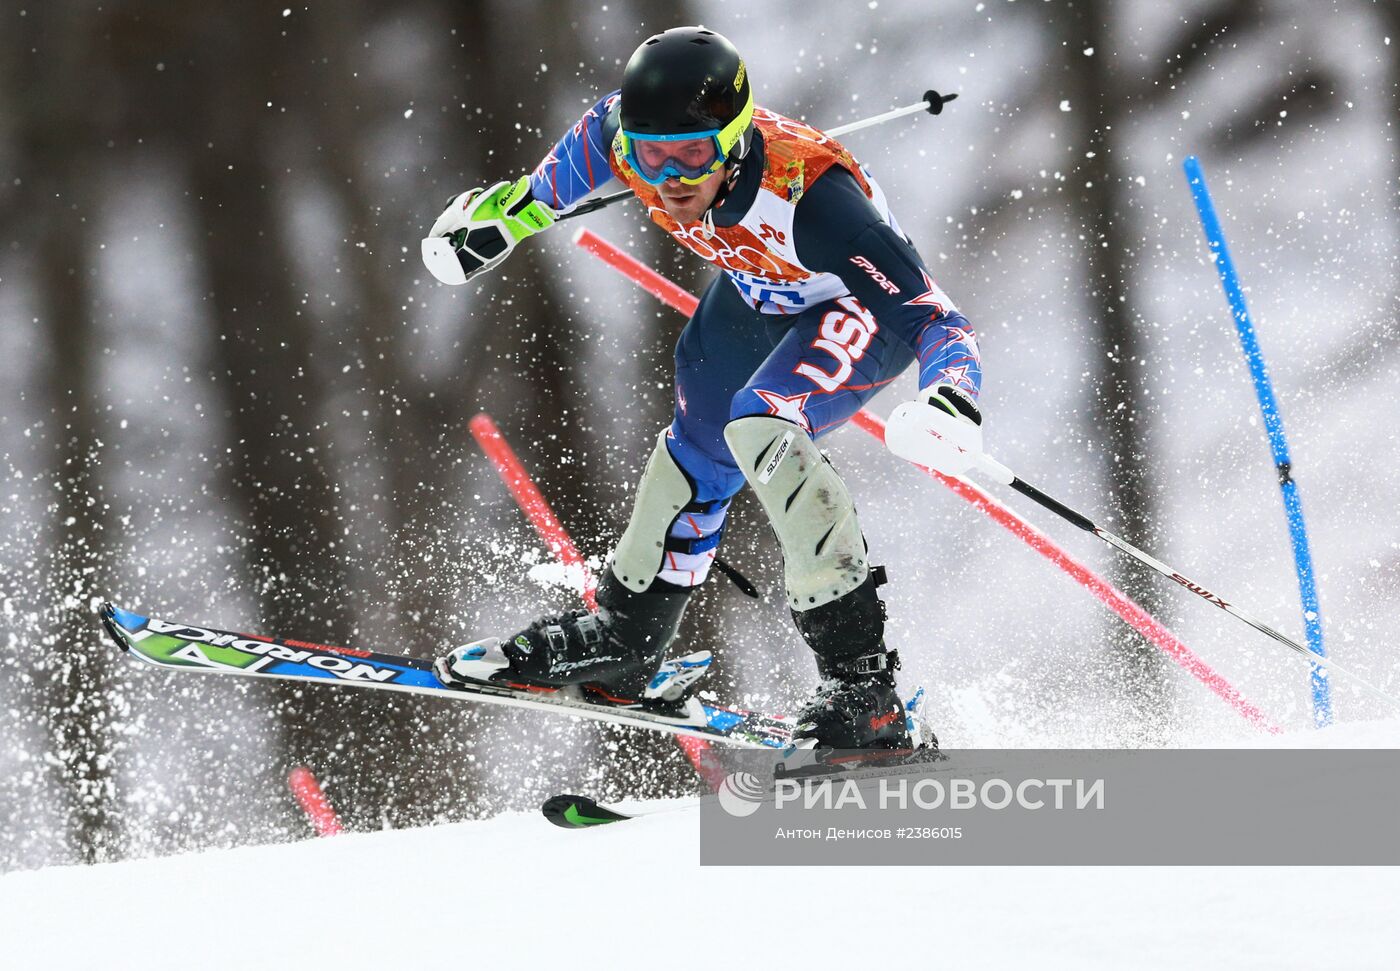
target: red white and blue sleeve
<point>836,229</point>
<point>578,163</point>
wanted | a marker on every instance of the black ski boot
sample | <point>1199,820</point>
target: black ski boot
<point>614,655</point>
<point>856,706</point>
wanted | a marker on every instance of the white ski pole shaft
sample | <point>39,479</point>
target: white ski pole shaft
<point>933,103</point>
<point>1006,477</point>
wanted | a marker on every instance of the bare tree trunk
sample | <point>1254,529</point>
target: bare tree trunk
<point>1390,14</point>
<point>76,679</point>
<point>1123,407</point>
<point>412,422</point>
<point>274,402</point>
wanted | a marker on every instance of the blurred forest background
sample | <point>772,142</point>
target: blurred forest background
<point>230,393</point>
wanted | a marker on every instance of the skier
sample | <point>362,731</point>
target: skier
<point>822,301</point>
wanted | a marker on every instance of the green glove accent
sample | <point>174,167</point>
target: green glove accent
<point>515,207</point>
<point>478,229</point>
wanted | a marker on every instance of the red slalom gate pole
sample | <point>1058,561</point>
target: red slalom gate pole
<point>531,501</point>
<point>1113,598</point>
<point>644,276</point>
<point>313,802</point>
<point>536,508</point>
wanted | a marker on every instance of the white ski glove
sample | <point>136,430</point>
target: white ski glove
<point>478,229</point>
<point>942,430</point>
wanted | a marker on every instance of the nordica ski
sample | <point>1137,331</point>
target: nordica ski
<point>579,812</point>
<point>186,647</point>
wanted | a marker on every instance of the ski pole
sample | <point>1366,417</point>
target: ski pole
<point>1006,477</point>
<point>933,103</point>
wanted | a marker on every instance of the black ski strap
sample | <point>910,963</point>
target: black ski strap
<point>742,582</point>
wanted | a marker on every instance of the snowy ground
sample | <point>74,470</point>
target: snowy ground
<point>516,892</point>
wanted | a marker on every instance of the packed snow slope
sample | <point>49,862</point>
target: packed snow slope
<point>515,892</point>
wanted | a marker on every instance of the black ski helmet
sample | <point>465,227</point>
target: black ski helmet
<point>688,79</point>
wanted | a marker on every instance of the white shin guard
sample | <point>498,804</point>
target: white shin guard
<point>808,505</point>
<point>661,495</point>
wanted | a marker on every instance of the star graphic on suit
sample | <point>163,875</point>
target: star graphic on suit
<point>958,376</point>
<point>787,406</point>
<point>966,336</point>
<point>930,296</point>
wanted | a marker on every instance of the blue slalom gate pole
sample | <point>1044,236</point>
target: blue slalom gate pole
<point>1273,425</point>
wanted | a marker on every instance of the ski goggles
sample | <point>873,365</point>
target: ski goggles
<point>692,157</point>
